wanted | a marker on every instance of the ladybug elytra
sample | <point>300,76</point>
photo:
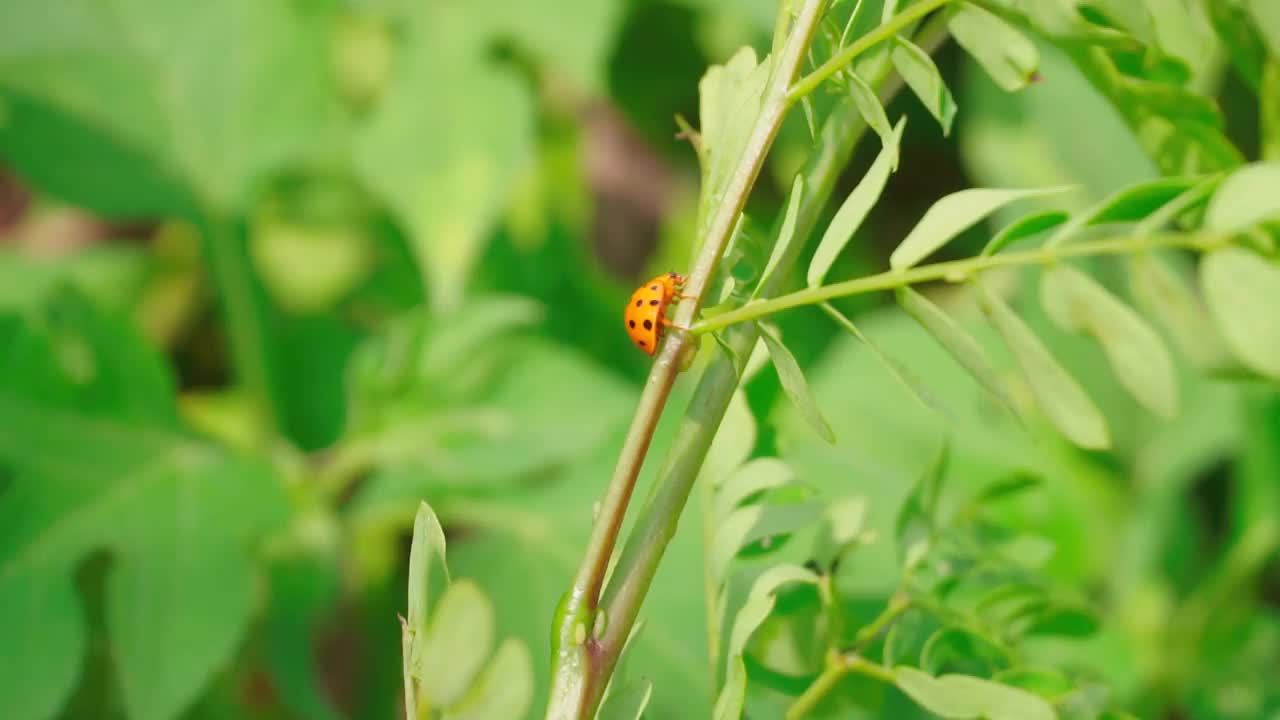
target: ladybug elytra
<point>645,316</point>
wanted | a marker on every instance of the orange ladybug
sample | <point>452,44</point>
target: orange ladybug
<point>645,315</point>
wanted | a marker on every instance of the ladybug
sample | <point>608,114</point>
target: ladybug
<point>645,315</point>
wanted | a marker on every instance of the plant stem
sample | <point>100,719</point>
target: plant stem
<point>229,267</point>
<point>889,29</point>
<point>956,271</point>
<point>837,667</point>
<point>581,669</point>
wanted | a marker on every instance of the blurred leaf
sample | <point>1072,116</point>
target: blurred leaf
<point>758,607</point>
<point>304,589</point>
<point>503,690</point>
<point>753,477</point>
<point>872,112</point>
<point>1185,201</point>
<point>626,704</point>
<point>1267,15</point>
<point>457,646</point>
<point>1245,198</point>
<point>755,523</point>
<point>426,552</point>
<point>729,101</point>
<point>1129,204</point>
<point>1239,38</point>
<point>448,190</point>
<point>921,75</point>
<point>957,341</point>
<point>732,445</point>
<point>786,235</point>
<point>308,269</point>
<point>1269,112</point>
<point>952,215</point>
<point>793,382</point>
<point>1171,298</point>
<point>900,373</point>
<point>854,209</point>
<point>1242,291</point>
<point>958,649</point>
<point>1027,226</point>
<point>905,640</point>
<point>918,515</point>
<point>843,530</point>
<point>1045,682</point>
<point>961,697</point>
<point>1060,397</point>
<point>1065,620</point>
<point>1005,53</point>
<point>147,98</point>
<point>110,275</point>
<point>181,589</point>
<point>1076,302</point>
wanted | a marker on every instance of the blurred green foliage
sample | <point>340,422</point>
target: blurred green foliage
<point>273,273</point>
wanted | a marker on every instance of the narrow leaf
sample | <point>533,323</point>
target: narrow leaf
<point>1129,204</point>
<point>1189,199</point>
<point>963,697</point>
<point>1171,298</point>
<point>1242,291</point>
<point>854,210</point>
<point>868,104</point>
<point>1076,302</point>
<point>754,523</point>
<point>794,384</point>
<point>505,690</point>
<point>786,235</point>
<point>1246,198</point>
<point>957,341</point>
<point>1024,227</point>
<point>427,550</point>
<point>922,76</point>
<point>1005,53</point>
<point>753,477</point>
<point>951,216</point>
<point>1060,397</point>
<point>458,644</point>
<point>896,369</point>
<point>759,604</point>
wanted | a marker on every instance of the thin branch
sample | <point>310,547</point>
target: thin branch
<point>582,669</point>
<point>896,24</point>
<point>957,271</point>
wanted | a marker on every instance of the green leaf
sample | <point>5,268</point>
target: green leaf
<point>963,697</point>
<point>729,98</point>
<point>447,190</point>
<point>957,341</point>
<point>897,370</point>
<point>1129,204</point>
<point>181,588</point>
<point>854,209</point>
<point>1076,302</point>
<point>869,107</point>
<point>1267,15</point>
<point>1171,298</point>
<point>1269,112</point>
<point>793,382</point>
<point>786,235</point>
<point>922,76</point>
<point>504,690</point>
<point>626,704</point>
<point>1023,228</point>
<point>1246,198</point>
<point>918,515</point>
<point>427,551</point>
<point>1005,53</point>
<point>1060,397</point>
<point>753,477</point>
<point>457,646</point>
<point>147,98</point>
<point>1242,291</point>
<point>304,590</point>
<point>1171,211</point>
<point>757,608</point>
<point>755,523</point>
<point>951,216</point>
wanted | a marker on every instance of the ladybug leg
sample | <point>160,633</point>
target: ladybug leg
<point>666,322</point>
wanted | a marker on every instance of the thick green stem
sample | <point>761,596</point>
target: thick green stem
<point>229,267</point>
<point>581,669</point>
<point>956,271</point>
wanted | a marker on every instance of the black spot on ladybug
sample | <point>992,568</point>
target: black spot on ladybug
<point>648,324</point>
<point>653,302</point>
<point>640,343</point>
<point>632,323</point>
<point>639,303</point>
<point>653,287</point>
